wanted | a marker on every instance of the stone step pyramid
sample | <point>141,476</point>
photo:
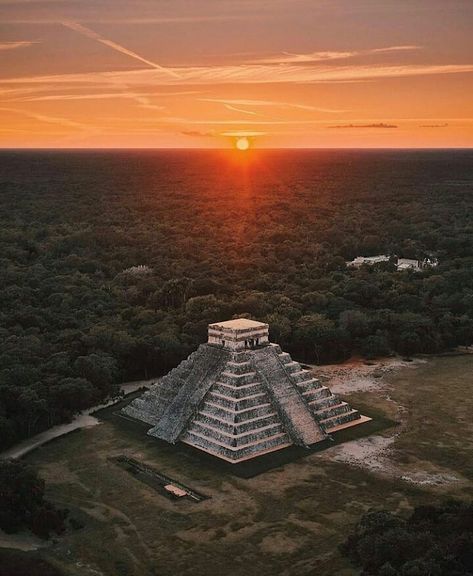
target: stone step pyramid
<point>239,396</point>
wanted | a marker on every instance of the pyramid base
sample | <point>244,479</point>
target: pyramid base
<point>361,420</point>
<point>243,458</point>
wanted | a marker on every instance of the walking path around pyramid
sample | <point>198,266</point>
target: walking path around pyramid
<point>239,396</point>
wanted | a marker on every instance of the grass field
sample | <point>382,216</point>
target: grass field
<point>286,521</point>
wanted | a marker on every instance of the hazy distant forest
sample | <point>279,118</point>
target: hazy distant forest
<point>113,264</point>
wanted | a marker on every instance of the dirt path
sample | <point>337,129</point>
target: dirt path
<point>82,420</point>
<point>21,541</point>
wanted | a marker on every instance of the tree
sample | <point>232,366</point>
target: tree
<point>99,369</point>
<point>22,503</point>
<point>433,540</point>
<point>317,339</point>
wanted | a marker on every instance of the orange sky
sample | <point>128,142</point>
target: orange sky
<point>196,73</point>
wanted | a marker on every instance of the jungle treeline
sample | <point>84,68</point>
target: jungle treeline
<point>432,540</point>
<point>113,263</point>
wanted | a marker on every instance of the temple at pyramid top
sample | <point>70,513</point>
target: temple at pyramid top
<point>239,396</point>
<point>239,334</point>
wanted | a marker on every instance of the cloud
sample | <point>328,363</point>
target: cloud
<point>433,125</point>
<point>166,20</point>
<point>98,96</point>
<point>15,45</point>
<point>311,74</point>
<point>234,109</point>
<point>46,118</point>
<point>117,47</point>
<point>245,74</point>
<point>151,20</point>
<point>210,122</point>
<point>95,96</point>
<point>241,133</point>
<point>245,102</point>
<point>291,58</point>
<point>393,49</point>
<point>197,133</point>
<point>377,125</point>
<point>142,100</point>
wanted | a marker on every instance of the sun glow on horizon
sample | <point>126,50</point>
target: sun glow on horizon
<point>242,143</point>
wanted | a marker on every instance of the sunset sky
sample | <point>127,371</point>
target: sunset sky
<point>199,73</point>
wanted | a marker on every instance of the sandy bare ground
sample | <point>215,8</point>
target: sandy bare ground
<point>376,453</point>
<point>358,375</point>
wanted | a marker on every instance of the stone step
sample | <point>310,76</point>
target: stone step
<point>237,379</point>
<point>230,426</point>
<point>311,395</point>
<point>235,454</point>
<point>285,358</point>
<point>312,384</point>
<point>302,376</point>
<point>229,374</point>
<point>326,402</point>
<point>329,411</point>
<point>338,420</point>
<point>237,404</point>
<point>237,415</point>
<point>319,395</point>
<point>235,440</point>
<point>292,366</point>
<point>238,368</point>
<point>237,391</point>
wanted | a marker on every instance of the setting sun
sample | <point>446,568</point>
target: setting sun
<point>242,143</point>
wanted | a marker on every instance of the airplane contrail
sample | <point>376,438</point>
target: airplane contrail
<point>94,36</point>
<point>230,107</point>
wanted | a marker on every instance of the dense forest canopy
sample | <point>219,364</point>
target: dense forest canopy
<point>113,263</point>
<point>432,541</point>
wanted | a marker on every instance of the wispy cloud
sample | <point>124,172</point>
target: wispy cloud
<point>94,96</point>
<point>433,125</point>
<point>98,96</point>
<point>117,47</point>
<point>376,125</point>
<point>291,58</point>
<point>235,109</point>
<point>15,45</point>
<point>46,118</point>
<point>221,122</point>
<point>249,74</point>
<point>151,20</point>
<point>240,133</point>
<point>271,103</point>
<point>400,48</point>
<point>198,133</point>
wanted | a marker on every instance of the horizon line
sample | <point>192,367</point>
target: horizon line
<point>211,149</point>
